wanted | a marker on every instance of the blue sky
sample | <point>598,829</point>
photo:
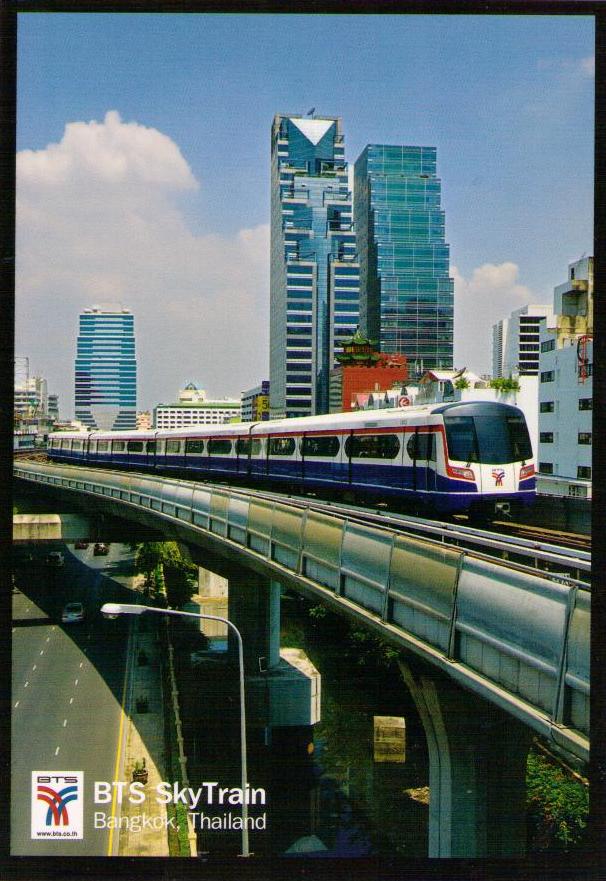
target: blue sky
<point>507,101</point>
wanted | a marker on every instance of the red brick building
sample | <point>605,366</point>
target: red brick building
<point>361,369</point>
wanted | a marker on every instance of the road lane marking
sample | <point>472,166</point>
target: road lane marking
<point>71,700</point>
<point>48,637</point>
<point>64,723</point>
<point>81,664</point>
<point>120,735</point>
<point>42,652</point>
<point>34,667</point>
<point>26,684</point>
<point>17,704</point>
<point>57,751</point>
<point>76,682</point>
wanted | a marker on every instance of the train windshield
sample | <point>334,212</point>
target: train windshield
<point>491,439</point>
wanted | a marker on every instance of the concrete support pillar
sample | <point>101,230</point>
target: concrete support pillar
<point>477,770</point>
<point>254,607</point>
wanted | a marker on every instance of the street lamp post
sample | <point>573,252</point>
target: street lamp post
<point>112,610</point>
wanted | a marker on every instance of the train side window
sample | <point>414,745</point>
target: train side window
<point>219,447</point>
<point>102,446</point>
<point>173,446</point>
<point>134,446</point>
<point>92,446</point>
<point>118,446</point>
<point>422,446</point>
<point>325,445</point>
<point>194,445</point>
<point>372,446</point>
<point>77,445</point>
<point>243,446</point>
<point>281,446</point>
<point>151,446</point>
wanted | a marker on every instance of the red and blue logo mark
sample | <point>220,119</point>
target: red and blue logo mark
<point>57,805</point>
<point>57,802</point>
<point>498,475</point>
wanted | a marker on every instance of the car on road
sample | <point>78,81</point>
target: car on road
<point>81,545</point>
<point>72,613</point>
<point>101,549</point>
<point>55,559</point>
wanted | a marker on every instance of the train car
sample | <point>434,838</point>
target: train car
<point>469,456</point>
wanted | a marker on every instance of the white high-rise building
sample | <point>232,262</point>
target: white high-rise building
<point>516,340</point>
<point>566,388</point>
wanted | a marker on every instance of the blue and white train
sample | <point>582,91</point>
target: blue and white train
<point>473,456</point>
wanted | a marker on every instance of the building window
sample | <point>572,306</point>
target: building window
<point>546,467</point>
<point>584,472</point>
<point>548,346</point>
<point>585,437</point>
<point>579,492</point>
<point>546,407</point>
<point>546,437</point>
<point>547,376</point>
<point>585,403</point>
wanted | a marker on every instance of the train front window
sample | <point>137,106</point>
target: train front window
<point>490,439</point>
<point>519,437</point>
<point>461,438</point>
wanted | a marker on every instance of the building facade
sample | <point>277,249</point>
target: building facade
<point>363,370</point>
<point>31,398</point>
<point>255,403</point>
<point>566,388</point>
<point>314,276</point>
<point>516,341</point>
<point>406,292</point>
<point>106,369</point>
<point>194,408</point>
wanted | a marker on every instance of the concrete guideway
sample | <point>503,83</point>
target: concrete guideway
<point>516,638</point>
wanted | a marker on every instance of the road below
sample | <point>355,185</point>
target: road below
<point>67,685</point>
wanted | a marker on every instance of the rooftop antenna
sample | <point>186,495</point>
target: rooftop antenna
<point>311,112</point>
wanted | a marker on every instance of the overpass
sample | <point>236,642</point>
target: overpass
<point>491,651</point>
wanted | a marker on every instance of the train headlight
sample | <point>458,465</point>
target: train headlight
<point>463,473</point>
<point>526,471</point>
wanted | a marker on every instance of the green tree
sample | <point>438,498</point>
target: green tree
<point>505,384</point>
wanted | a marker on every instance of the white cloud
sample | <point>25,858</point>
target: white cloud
<point>111,152</point>
<point>490,294</point>
<point>98,220</point>
<point>588,66</point>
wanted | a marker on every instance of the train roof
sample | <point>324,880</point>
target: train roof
<point>370,418</point>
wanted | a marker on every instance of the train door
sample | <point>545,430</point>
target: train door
<point>422,450</point>
<point>430,462</point>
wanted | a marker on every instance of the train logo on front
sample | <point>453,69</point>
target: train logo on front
<point>57,805</point>
<point>498,475</point>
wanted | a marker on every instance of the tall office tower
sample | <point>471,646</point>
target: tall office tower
<point>406,293</point>
<point>314,286</point>
<point>106,369</point>
<point>515,341</point>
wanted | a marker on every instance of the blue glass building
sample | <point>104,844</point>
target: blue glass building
<point>406,293</point>
<point>314,278</point>
<point>106,369</point>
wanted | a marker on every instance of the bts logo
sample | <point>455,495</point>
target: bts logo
<point>498,475</point>
<point>57,804</point>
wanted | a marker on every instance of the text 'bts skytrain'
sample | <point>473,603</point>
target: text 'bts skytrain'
<point>472,456</point>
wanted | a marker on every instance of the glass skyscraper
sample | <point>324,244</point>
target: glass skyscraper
<point>406,293</point>
<point>314,285</point>
<point>106,369</point>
